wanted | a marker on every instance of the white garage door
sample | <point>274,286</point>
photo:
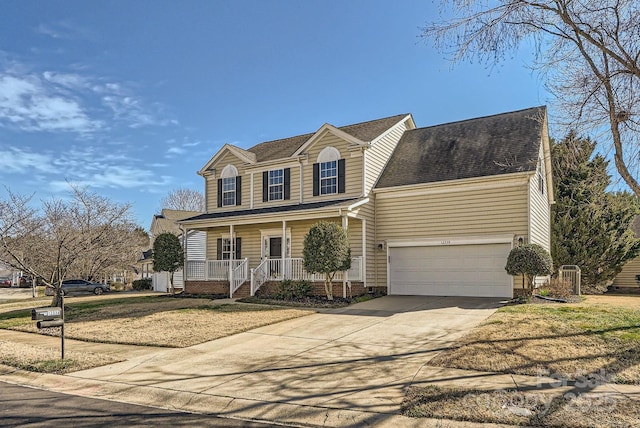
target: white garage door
<point>450,270</point>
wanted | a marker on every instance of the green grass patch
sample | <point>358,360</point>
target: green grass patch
<point>611,322</point>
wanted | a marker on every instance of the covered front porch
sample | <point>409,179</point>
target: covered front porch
<point>237,272</point>
<point>243,253</point>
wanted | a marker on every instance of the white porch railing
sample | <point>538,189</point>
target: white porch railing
<point>293,268</point>
<point>239,275</point>
<point>267,270</point>
<point>259,276</point>
<point>210,270</point>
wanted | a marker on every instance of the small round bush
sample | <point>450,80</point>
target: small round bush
<point>529,260</point>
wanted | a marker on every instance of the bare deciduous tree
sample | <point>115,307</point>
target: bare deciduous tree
<point>85,236</point>
<point>588,52</point>
<point>184,199</point>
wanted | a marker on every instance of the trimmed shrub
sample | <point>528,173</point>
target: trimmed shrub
<point>142,284</point>
<point>288,289</point>
<point>529,261</point>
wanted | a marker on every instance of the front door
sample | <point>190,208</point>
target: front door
<point>275,248</point>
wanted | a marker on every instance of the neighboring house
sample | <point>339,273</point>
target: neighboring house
<point>430,211</point>
<point>166,222</point>
<point>627,278</point>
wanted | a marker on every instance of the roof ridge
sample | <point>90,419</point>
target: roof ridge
<point>339,127</point>
<point>479,118</point>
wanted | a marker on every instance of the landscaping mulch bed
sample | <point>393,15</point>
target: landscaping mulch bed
<point>308,301</point>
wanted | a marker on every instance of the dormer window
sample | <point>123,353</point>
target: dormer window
<point>329,177</point>
<point>329,173</point>
<point>229,187</point>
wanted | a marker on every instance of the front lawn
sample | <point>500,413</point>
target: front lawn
<point>155,320</point>
<point>589,343</point>
<point>144,320</point>
<point>566,340</point>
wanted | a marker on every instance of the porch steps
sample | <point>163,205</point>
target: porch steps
<point>243,291</point>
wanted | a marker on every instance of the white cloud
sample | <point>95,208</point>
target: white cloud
<point>94,167</point>
<point>63,30</point>
<point>120,177</point>
<point>176,151</point>
<point>77,102</point>
<point>20,161</point>
<point>26,104</point>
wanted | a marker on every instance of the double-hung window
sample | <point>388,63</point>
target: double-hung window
<point>226,249</point>
<point>276,185</point>
<point>329,177</point>
<point>228,191</point>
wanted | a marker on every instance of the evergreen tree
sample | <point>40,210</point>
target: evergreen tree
<point>168,255</point>
<point>591,227</point>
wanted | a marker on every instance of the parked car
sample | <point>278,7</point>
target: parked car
<point>5,281</point>
<point>71,286</point>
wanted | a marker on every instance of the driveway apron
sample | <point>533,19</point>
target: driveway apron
<point>356,359</point>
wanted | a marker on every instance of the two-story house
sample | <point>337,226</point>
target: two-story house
<point>428,210</point>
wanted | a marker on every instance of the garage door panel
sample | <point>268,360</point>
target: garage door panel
<point>451,270</point>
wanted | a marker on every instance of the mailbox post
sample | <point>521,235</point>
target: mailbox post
<point>52,316</point>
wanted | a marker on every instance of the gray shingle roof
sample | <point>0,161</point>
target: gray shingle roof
<point>271,210</point>
<point>492,145</point>
<point>365,131</point>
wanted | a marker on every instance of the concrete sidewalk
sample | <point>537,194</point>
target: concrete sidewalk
<point>349,367</point>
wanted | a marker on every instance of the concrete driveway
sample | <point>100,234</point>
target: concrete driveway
<point>340,368</point>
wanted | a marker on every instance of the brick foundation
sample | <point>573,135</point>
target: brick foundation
<point>206,287</point>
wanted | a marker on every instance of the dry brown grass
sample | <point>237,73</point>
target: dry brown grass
<point>148,320</point>
<point>159,320</point>
<point>566,340</point>
<point>47,360</point>
<point>522,408</point>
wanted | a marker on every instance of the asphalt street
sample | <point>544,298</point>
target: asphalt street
<point>29,407</point>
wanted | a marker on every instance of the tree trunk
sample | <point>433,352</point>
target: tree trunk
<point>328,286</point>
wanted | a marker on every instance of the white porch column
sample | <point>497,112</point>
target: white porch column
<point>363,263</point>
<point>186,256</point>
<point>232,245</point>
<point>345,226</point>
<point>283,250</point>
<point>284,239</point>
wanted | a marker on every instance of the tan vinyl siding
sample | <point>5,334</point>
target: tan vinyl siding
<point>480,212</point>
<point>377,156</point>
<point>252,238</point>
<point>294,188</point>
<point>353,169</point>
<point>627,278</point>
<point>367,212</point>
<point>300,228</point>
<point>539,232</point>
<point>212,184</point>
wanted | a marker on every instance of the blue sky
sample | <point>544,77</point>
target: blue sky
<point>131,98</point>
